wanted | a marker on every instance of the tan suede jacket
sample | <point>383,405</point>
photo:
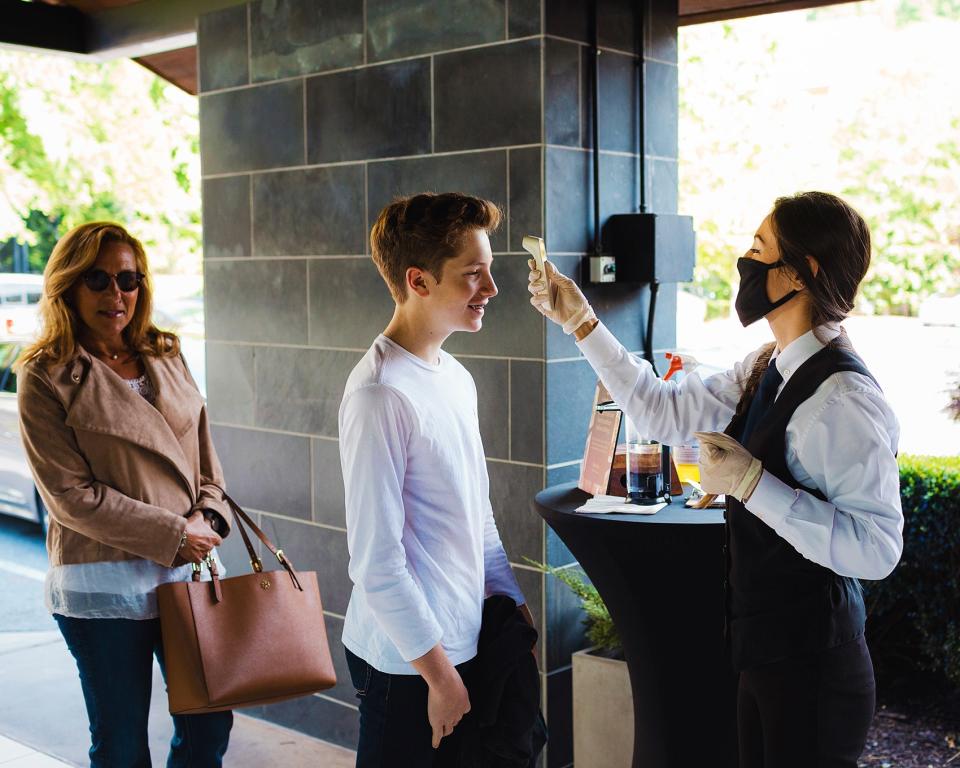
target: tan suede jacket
<point>118,475</point>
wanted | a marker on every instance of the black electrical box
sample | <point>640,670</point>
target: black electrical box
<point>651,247</point>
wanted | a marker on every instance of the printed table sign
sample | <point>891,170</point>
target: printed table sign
<point>601,444</point>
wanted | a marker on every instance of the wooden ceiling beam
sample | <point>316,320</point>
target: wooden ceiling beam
<point>177,67</point>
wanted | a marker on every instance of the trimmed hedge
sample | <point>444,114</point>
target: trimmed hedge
<point>914,614</point>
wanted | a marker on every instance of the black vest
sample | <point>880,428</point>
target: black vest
<point>780,604</point>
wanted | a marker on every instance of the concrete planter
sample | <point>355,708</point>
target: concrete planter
<point>602,712</point>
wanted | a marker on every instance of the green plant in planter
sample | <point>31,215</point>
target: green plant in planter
<point>600,629</point>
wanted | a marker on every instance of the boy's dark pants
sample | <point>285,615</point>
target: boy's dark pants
<point>394,729</point>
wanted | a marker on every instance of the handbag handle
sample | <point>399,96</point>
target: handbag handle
<point>214,576</point>
<point>242,517</point>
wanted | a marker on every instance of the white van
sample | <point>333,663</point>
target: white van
<point>18,288</point>
<point>19,299</point>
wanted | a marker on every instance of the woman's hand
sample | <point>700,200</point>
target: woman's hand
<point>569,307</point>
<point>726,466</point>
<point>200,539</point>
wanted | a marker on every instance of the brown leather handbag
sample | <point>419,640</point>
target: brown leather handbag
<point>244,640</point>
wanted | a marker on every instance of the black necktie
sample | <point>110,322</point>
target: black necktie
<point>762,400</point>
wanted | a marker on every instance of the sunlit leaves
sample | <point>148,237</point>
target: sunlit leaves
<point>82,141</point>
<point>813,100</point>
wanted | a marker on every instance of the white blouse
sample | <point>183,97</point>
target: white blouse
<point>123,589</point>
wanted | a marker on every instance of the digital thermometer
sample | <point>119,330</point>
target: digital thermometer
<point>536,248</point>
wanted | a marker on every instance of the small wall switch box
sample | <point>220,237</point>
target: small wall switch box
<point>603,269</point>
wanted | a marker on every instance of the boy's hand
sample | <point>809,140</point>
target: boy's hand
<point>569,308</point>
<point>447,703</point>
<point>447,697</point>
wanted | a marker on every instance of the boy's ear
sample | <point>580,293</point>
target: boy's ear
<point>418,281</point>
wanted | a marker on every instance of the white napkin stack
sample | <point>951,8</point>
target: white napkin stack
<point>604,505</point>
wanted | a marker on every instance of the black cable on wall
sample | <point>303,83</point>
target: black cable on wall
<point>640,27</point>
<point>595,121</point>
<point>641,105</point>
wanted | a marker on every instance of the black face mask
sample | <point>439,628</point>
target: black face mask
<point>752,302</point>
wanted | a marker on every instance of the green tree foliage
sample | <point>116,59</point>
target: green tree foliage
<point>83,142</point>
<point>812,100</point>
<point>913,219</point>
<point>949,9</point>
<point>22,149</point>
<point>714,272</point>
<point>908,12</point>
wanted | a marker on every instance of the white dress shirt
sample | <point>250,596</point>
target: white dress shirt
<point>424,547</point>
<point>842,441</point>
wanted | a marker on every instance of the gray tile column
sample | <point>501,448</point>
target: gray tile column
<point>568,211</point>
<point>314,114</point>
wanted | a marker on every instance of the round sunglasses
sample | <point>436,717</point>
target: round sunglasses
<point>127,280</point>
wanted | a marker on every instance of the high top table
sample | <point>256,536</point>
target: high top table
<point>661,577</point>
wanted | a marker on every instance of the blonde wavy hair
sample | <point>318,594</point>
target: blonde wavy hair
<point>74,254</point>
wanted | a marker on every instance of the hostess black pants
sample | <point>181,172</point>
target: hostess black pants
<point>807,712</point>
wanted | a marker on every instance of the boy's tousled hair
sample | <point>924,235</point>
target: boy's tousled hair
<point>424,231</point>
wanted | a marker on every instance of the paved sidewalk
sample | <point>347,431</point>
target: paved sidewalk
<point>43,722</point>
<point>13,754</point>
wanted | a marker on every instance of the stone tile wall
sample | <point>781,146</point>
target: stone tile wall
<point>314,114</point>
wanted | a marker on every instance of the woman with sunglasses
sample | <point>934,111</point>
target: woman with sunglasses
<point>116,434</point>
<point>807,462</point>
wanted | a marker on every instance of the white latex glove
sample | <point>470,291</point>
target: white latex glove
<point>569,307</point>
<point>726,466</point>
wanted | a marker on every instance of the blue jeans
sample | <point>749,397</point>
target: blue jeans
<point>394,729</point>
<point>115,661</point>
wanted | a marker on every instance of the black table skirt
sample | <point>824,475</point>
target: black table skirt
<point>661,577</point>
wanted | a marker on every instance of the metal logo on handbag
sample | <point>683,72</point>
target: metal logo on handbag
<point>243,640</point>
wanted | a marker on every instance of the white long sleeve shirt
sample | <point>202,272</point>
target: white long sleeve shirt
<point>841,441</point>
<point>424,547</point>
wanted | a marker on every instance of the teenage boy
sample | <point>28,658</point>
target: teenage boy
<point>424,547</point>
